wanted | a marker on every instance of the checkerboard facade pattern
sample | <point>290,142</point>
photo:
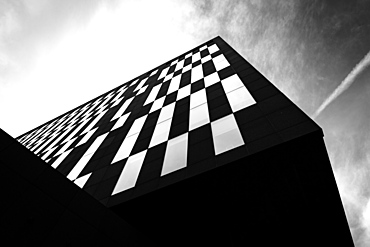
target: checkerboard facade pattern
<point>166,120</point>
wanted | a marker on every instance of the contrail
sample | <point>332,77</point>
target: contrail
<point>345,83</point>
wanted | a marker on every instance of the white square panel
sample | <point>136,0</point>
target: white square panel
<point>226,134</point>
<point>176,154</point>
<point>183,92</point>
<point>198,98</point>
<point>206,59</point>
<point>195,57</point>
<point>168,77</point>
<point>213,48</point>
<point>174,85</point>
<point>161,132</point>
<point>186,68</point>
<point>166,112</point>
<point>221,65</point>
<point>188,55</point>
<point>240,98</point>
<point>203,48</point>
<point>163,73</point>
<point>130,173</point>
<point>196,74</point>
<point>179,65</point>
<point>157,104</point>
<point>211,79</point>
<point>198,117</point>
<point>173,62</point>
<point>231,83</point>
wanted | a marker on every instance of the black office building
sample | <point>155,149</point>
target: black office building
<point>200,151</point>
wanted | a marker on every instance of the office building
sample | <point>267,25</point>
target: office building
<point>203,151</point>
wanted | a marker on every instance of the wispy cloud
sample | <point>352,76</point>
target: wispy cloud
<point>346,83</point>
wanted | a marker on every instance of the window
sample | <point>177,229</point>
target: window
<point>240,98</point>
<point>161,133</point>
<point>176,154</point>
<point>226,134</point>
<point>198,116</point>
<point>130,173</point>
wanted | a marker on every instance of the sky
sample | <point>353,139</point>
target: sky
<point>316,52</point>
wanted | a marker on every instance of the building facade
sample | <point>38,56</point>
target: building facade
<point>201,150</point>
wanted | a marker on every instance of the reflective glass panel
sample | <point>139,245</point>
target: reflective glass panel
<point>65,146</point>
<point>240,98</point>
<point>176,154</point>
<point>211,79</point>
<point>195,57</point>
<point>81,181</point>
<point>142,82</point>
<point>130,173</point>
<point>166,112</point>
<point>198,98</point>
<point>219,59</point>
<point>153,94</point>
<point>125,148</point>
<point>226,134</point>
<point>142,90</point>
<point>168,77</point>
<point>123,108</point>
<point>213,48</point>
<point>174,85</point>
<point>179,65</point>
<point>121,121</point>
<point>157,104</point>
<point>186,68</point>
<point>196,73</point>
<point>206,59</point>
<point>183,92</point>
<point>137,125</point>
<point>87,156</point>
<point>163,73</point>
<point>198,116</point>
<point>188,55</point>
<point>202,48</point>
<point>60,159</point>
<point>219,66</point>
<point>231,83</point>
<point>161,133</point>
<point>87,137</point>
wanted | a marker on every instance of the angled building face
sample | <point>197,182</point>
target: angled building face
<point>202,150</point>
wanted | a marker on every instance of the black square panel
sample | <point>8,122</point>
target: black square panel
<point>226,72</point>
<point>208,68</point>
<point>196,86</point>
<point>140,145</point>
<point>178,72</point>
<point>163,91</point>
<point>213,55</point>
<point>196,64</point>
<point>170,98</point>
<point>96,177</point>
<point>114,169</point>
<point>172,69</point>
<point>256,129</point>
<point>200,151</point>
<point>185,79</point>
<point>187,61</point>
<point>200,134</point>
<point>220,112</point>
<point>204,53</point>
<point>156,152</point>
<point>178,129</point>
<point>220,100</point>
